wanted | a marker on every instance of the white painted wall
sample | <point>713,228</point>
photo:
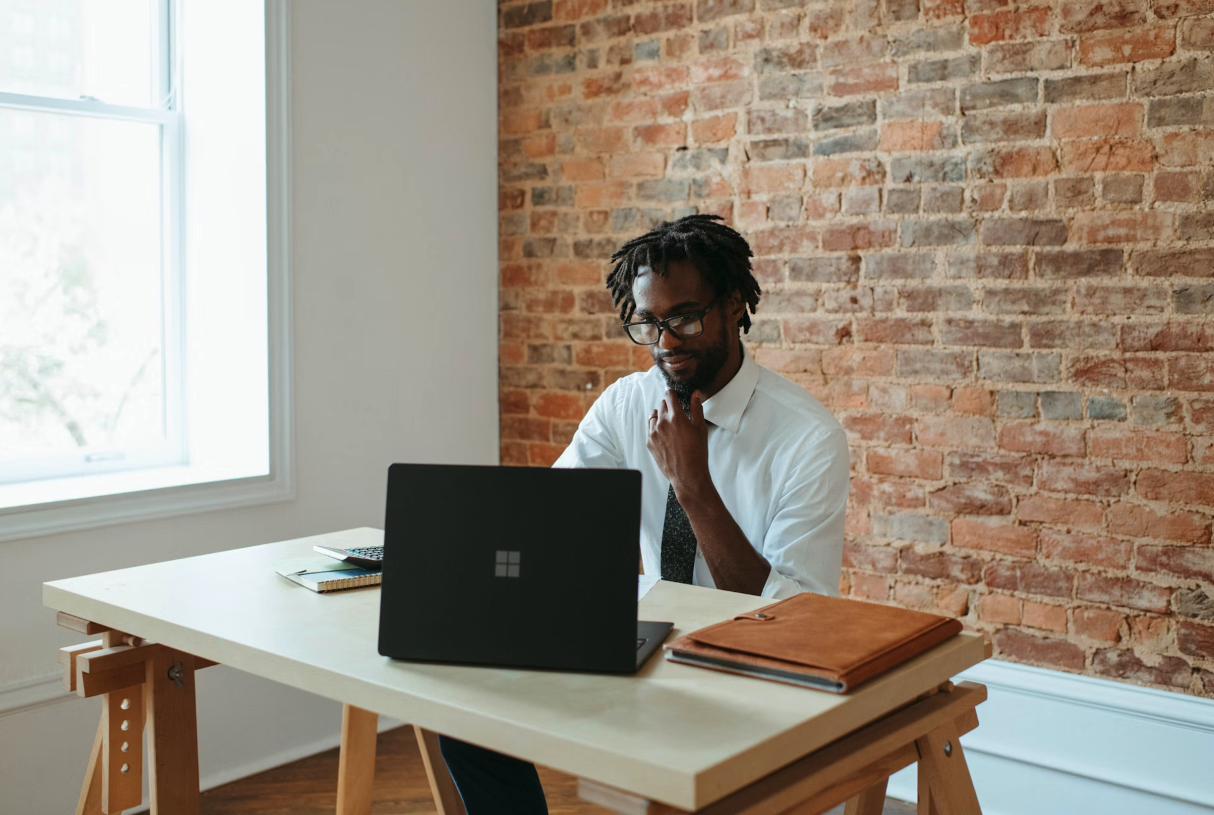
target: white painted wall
<point>395,233</point>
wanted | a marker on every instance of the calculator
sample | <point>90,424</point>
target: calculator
<point>367,557</point>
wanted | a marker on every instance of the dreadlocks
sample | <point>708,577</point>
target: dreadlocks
<point>719,252</point>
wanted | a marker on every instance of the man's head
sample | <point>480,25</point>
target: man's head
<point>692,267</point>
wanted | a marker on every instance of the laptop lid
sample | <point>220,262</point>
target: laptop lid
<point>509,566</point>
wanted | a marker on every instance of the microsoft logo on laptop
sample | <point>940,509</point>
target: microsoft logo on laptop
<point>507,563</point>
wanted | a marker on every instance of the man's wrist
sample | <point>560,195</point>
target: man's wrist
<point>696,491</point>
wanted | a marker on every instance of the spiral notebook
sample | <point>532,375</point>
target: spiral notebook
<point>324,574</point>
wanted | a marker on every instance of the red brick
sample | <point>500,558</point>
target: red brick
<point>1177,187</point>
<point>1124,664</point>
<point>1138,521</point>
<point>880,428</point>
<point>1042,437</point>
<point>605,85</point>
<point>1082,121</point>
<point>1095,15</point>
<point>1195,639</point>
<point>850,361</point>
<point>1192,373</point>
<point>895,330</point>
<point>588,196</point>
<point>675,104</point>
<point>1001,609</point>
<point>544,455</point>
<point>1121,227</point>
<point>869,235</point>
<point>1182,488</point>
<point>930,398</point>
<point>1097,624</point>
<point>1189,148</point>
<point>942,9</point>
<point>971,499</point>
<point>821,332</point>
<point>789,361</point>
<point>1124,591</point>
<point>911,135</point>
<point>1131,46</point>
<point>783,241</point>
<point>721,95</point>
<point>523,275</point>
<point>667,17</point>
<point>893,494</point>
<point>513,454</point>
<point>669,135</point>
<point>1062,476</point>
<point>514,401</point>
<point>1031,578</point>
<point>525,428</point>
<point>1077,548</point>
<point>1028,648</point>
<point>603,355</point>
<point>1108,156</point>
<point>1006,469</point>
<point>582,169</point>
<point>520,121</point>
<point>940,566</point>
<point>638,165</point>
<point>1138,444</point>
<point>1044,616</point>
<point>577,9</point>
<point>559,406</point>
<point>869,587</point>
<point>974,401</point>
<point>774,178</point>
<point>1193,562</point>
<point>1009,25</point>
<point>658,77</point>
<point>1015,162</point>
<point>863,79</point>
<point>1060,511</point>
<point>719,69</point>
<point>848,172</point>
<point>948,599</point>
<point>633,110</point>
<point>1018,541</point>
<point>881,559</point>
<point>956,432</point>
<point>714,128</point>
<point>926,464</point>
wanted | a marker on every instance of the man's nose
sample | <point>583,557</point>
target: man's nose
<point>669,340</point>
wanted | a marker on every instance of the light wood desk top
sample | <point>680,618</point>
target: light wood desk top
<point>674,733</point>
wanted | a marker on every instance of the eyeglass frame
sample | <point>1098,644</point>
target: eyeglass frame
<point>664,325</point>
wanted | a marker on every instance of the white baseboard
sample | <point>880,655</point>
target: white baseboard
<point>1052,743</point>
<point>32,693</point>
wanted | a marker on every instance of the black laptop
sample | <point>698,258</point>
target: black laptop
<point>517,567</point>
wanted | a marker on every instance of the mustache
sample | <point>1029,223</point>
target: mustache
<point>670,354</point>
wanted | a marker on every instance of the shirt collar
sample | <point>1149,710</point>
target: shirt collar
<point>727,405</point>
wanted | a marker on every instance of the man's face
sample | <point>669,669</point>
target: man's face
<point>687,363</point>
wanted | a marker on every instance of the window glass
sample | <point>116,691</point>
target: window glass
<point>73,49</point>
<point>82,368</point>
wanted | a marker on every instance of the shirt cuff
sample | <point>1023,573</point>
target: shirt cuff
<point>779,587</point>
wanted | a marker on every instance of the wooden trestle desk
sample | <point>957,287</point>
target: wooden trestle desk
<point>671,738</point>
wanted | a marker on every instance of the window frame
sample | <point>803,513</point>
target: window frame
<point>177,495</point>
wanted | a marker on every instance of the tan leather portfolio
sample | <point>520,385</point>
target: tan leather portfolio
<point>814,641</point>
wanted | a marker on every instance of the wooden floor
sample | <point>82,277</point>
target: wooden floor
<point>309,787</point>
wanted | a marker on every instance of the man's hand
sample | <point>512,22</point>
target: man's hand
<point>679,444</point>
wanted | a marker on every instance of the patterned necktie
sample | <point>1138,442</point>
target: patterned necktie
<point>678,542</point>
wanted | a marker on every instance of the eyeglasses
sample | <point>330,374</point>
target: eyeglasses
<point>687,325</point>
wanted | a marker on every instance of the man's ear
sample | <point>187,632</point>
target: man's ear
<point>734,307</point>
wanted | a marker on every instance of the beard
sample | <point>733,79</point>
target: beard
<point>709,362</point>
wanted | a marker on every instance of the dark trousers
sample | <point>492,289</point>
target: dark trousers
<point>490,782</point>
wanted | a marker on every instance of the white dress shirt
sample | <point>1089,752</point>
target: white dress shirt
<point>778,459</point>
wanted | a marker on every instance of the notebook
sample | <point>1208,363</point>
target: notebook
<point>324,574</point>
<point>814,641</point>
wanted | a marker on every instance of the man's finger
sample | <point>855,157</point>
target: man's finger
<point>697,409</point>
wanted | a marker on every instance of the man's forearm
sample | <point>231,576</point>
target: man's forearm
<point>733,562</point>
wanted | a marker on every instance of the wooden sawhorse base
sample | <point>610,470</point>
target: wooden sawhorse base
<point>854,769</point>
<point>148,685</point>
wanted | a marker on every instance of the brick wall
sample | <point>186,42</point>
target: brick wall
<point>985,240</point>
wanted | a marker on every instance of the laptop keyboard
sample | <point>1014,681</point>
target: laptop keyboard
<point>369,552</point>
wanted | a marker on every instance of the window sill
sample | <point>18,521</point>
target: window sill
<point>53,506</point>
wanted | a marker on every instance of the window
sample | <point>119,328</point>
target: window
<point>142,259</point>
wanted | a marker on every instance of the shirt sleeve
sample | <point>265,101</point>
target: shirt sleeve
<point>804,542</point>
<point>595,443</point>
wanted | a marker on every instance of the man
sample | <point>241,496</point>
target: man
<point>744,474</point>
